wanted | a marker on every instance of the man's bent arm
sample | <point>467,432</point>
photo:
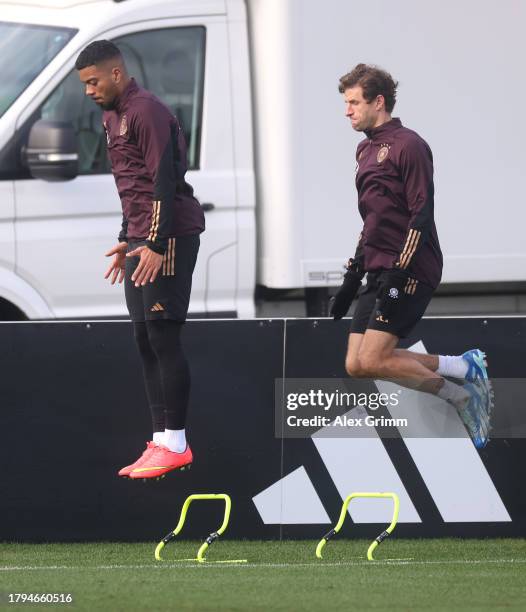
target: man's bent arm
<point>416,166</point>
<point>157,138</point>
<point>123,234</point>
<point>358,261</point>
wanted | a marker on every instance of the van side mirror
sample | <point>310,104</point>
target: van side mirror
<point>52,152</point>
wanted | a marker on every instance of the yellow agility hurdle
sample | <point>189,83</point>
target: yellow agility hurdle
<point>211,538</point>
<point>343,513</point>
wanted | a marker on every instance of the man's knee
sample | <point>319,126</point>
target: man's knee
<point>353,366</point>
<point>366,365</point>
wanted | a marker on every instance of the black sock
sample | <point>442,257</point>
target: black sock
<point>165,340</point>
<point>152,376</point>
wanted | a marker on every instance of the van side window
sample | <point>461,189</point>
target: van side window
<point>168,62</point>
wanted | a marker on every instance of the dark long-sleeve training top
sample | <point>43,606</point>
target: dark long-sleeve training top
<point>147,151</point>
<point>394,178</point>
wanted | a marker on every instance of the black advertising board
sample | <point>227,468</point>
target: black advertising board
<point>74,411</point>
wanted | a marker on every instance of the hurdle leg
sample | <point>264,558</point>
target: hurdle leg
<point>211,538</point>
<point>343,514</point>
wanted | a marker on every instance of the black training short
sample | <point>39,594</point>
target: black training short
<point>169,295</point>
<point>411,307</point>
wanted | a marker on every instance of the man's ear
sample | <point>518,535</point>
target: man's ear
<point>116,74</point>
<point>380,102</point>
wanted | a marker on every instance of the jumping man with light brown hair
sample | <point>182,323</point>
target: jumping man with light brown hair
<point>399,250</point>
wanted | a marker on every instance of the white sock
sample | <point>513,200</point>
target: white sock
<point>175,440</point>
<point>454,394</point>
<point>452,365</point>
<point>158,437</point>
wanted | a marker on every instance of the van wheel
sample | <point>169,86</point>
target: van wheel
<point>9,312</point>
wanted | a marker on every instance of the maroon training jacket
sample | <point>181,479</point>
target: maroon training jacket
<point>147,151</point>
<point>394,178</point>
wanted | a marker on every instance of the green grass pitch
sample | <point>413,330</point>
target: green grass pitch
<point>445,574</point>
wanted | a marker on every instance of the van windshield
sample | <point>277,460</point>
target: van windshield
<point>25,50</point>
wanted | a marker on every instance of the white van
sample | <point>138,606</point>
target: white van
<point>271,155</point>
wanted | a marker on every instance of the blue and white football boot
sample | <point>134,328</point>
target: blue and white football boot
<point>475,414</point>
<point>477,373</point>
<point>477,365</point>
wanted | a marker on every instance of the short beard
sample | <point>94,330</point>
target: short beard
<point>108,106</point>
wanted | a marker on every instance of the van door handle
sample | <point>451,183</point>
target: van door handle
<point>207,206</point>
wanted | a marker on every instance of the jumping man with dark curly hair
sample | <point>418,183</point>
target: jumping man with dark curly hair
<point>157,245</point>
